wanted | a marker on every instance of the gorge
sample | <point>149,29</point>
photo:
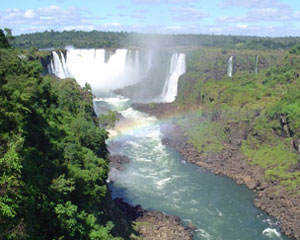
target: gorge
<point>157,177</point>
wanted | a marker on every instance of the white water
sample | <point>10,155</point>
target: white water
<point>123,68</point>
<point>271,232</point>
<point>57,66</point>
<point>256,64</point>
<point>89,66</point>
<point>177,68</point>
<point>230,67</point>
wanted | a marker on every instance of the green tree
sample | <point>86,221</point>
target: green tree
<point>3,40</point>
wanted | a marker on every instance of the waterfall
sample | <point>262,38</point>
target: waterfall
<point>115,69</point>
<point>89,66</point>
<point>256,64</point>
<point>63,61</point>
<point>177,68</point>
<point>230,67</point>
<point>57,65</point>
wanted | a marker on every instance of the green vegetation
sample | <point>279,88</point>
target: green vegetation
<point>3,40</point>
<point>97,39</point>
<point>207,68</point>
<point>108,120</point>
<point>261,110</point>
<point>206,137</point>
<point>53,166</point>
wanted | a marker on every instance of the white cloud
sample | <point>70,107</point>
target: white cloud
<point>242,26</point>
<point>29,14</point>
<point>44,18</point>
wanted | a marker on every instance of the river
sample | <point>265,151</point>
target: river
<point>158,179</point>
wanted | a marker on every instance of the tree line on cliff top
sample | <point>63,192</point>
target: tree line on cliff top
<point>100,39</point>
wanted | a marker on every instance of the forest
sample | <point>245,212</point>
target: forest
<point>53,156</point>
<point>98,39</point>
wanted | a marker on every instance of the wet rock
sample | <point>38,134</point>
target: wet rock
<point>116,161</point>
<point>154,225</point>
<point>192,226</point>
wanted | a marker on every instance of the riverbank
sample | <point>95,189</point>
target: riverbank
<point>270,196</point>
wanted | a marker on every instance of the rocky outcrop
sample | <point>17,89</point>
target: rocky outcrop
<point>153,225</point>
<point>116,161</point>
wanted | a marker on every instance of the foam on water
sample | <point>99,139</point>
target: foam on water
<point>203,234</point>
<point>271,232</point>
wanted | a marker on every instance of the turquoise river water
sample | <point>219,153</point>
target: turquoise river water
<point>158,179</point>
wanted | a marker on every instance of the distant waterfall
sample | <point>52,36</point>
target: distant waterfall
<point>88,65</point>
<point>230,67</point>
<point>177,68</point>
<point>256,64</point>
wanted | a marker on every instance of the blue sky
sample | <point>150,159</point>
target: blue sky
<point>242,17</point>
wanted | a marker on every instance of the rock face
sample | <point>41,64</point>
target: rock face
<point>153,225</point>
<point>159,226</point>
<point>271,198</point>
<point>116,161</point>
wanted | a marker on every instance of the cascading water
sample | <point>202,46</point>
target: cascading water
<point>230,67</point>
<point>256,64</point>
<point>157,177</point>
<point>177,68</point>
<point>58,67</point>
<point>88,65</point>
<point>123,68</point>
